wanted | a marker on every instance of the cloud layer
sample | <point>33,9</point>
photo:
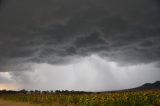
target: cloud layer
<point>91,73</point>
<point>60,31</point>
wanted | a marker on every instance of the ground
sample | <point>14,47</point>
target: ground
<point>12,103</point>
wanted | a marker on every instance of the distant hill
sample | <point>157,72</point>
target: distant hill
<point>148,86</point>
<point>155,85</point>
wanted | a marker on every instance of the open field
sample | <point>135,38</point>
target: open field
<point>136,98</point>
<point>19,103</point>
<point>13,103</point>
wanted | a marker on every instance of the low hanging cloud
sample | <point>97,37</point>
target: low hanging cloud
<point>60,31</point>
<point>91,73</point>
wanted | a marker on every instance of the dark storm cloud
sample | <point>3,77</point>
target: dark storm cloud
<point>56,31</point>
<point>0,2</point>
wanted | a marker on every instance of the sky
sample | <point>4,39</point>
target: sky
<point>90,45</point>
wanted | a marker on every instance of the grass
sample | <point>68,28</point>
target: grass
<point>18,103</point>
<point>137,98</point>
<point>13,103</point>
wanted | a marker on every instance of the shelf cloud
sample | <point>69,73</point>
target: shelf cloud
<point>56,31</point>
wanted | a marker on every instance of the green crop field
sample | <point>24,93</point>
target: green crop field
<point>136,98</point>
